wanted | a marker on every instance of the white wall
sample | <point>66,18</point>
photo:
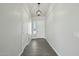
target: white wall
<point>40,24</point>
<point>11,32</point>
<point>26,26</point>
<point>62,28</point>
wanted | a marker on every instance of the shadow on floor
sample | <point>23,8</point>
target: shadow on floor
<point>38,47</point>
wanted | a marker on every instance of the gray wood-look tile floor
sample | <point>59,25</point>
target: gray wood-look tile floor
<point>38,47</point>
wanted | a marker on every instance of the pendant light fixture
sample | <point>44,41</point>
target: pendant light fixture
<point>38,12</point>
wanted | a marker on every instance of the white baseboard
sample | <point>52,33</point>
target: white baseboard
<point>54,49</point>
<point>23,48</point>
<point>38,37</point>
<point>21,52</point>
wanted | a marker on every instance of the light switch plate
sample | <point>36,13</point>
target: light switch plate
<point>76,34</point>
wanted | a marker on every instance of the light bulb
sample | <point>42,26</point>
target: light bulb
<point>38,12</point>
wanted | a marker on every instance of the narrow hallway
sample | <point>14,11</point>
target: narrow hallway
<point>38,47</point>
<point>33,29</point>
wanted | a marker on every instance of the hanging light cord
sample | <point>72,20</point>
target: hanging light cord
<point>38,11</point>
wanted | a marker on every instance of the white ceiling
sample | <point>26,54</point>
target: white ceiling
<point>33,8</point>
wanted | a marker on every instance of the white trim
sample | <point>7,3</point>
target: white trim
<point>21,52</point>
<point>54,49</point>
<point>40,37</point>
<point>24,47</point>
